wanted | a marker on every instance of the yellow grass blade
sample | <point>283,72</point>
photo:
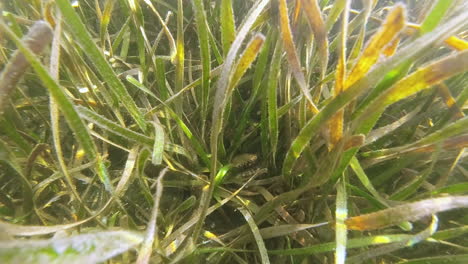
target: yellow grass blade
<point>457,43</point>
<point>335,125</point>
<point>291,54</point>
<point>392,26</point>
<point>427,76</point>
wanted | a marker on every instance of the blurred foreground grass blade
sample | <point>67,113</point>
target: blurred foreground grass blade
<point>407,212</point>
<point>37,39</point>
<point>436,15</point>
<point>334,13</point>
<point>341,233</point>
<point>102,66</point>
<point>34,230</point>
<point>84,248</point>
<point>458,44</point>
<point>291,54</point>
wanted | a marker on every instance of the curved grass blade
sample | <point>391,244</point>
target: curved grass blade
<point>258,238</point>
<point>260,69</point>
<point>55,117</point>
<point>407,212</point>
<point>356,166</point>
<point>291,54</point>
<point>151,238</point>
<point>246,59</point>
<point>102,66</point>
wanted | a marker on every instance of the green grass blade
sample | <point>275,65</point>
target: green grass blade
<point>436,15</point>
<point>228,27</point>
<point>112,127</point>
<point>273,82</point>
<point>102,66</point>
<point>205,57</point>
<point>158,147</point>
